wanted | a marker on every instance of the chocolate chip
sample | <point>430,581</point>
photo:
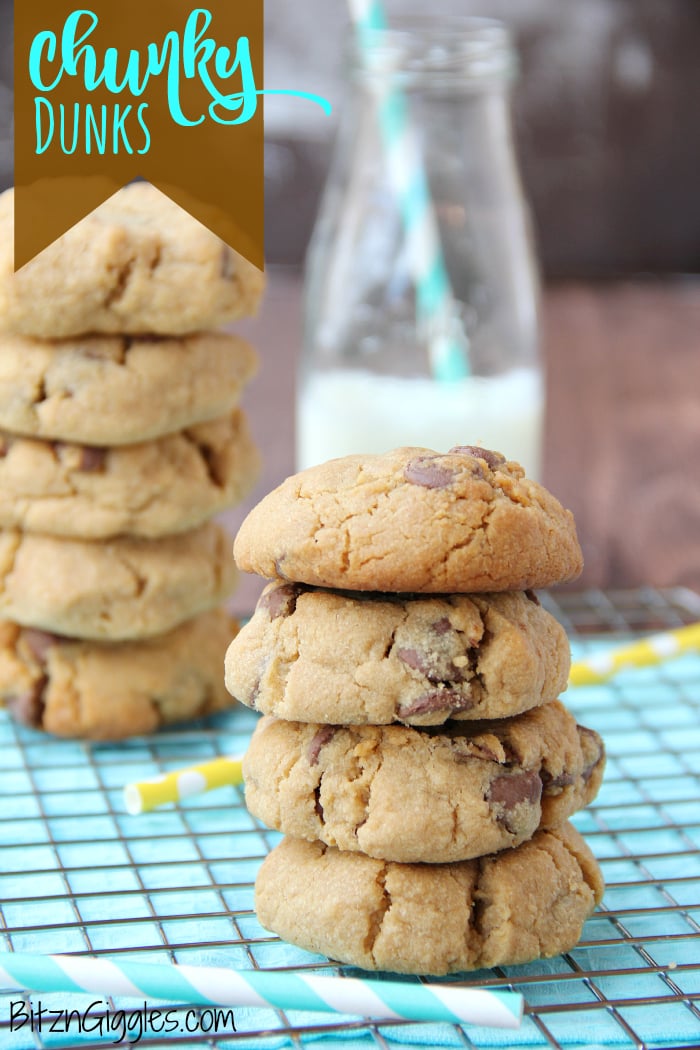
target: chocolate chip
<point>429,664</point>
<point>426,472</point>
<point>435,700</point>
<point>532,597</point>
<point>320,738</point>
<point>418,661</point>
<point>588,771</point>
<point>441,626</point>
<point>279,601</point>
<point>492,459</point>
<point>513,789</point>
<point>476,750</point>
<point>39,642</point>
<point>28,707</point>
<point>91,459</point>
<point>550,783</point>
<point>591,737</point>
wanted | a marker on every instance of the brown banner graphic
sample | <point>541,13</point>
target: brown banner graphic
<point>122,89</point>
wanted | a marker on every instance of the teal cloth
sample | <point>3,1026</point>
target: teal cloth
<point>179,880</point>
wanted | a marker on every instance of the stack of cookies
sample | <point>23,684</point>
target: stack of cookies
<point>120,439</point>
<point>412,746</point>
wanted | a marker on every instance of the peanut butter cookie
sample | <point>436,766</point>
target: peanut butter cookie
<point>403,794</point>
<point>511,907</point>
<point>118,589</point>
<point>313,655</point>
<point>138,263</point>
<point>412,520</point>
<point>112,690</point>
<point>155,488</point>
<point>119,390</point>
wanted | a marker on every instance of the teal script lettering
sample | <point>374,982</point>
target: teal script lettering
<point>191,54</point>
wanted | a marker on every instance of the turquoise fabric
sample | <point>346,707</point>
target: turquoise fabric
<point>78,874</point>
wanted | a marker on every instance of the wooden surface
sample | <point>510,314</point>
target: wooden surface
<point>622,425</point>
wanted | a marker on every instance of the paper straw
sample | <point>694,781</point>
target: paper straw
<point>146,795</point>
<point>448,346</point>
<point>652,650</point>
<point>215,986</point>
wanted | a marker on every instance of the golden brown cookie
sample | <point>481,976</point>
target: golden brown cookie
<point>108,691</point>
<point>118,589</point>
<point>412,520</point>
<point>510,907</point>
<point>329,656</point>
<point>404,794</point>
<point>155,488</point>
<point>119,390</point>
<point>136,264</point>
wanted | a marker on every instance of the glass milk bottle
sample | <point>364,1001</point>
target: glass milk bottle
<point>421,285</point>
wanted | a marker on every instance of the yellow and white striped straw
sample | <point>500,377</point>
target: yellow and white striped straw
<point>145,795</point>
<point>644,653</point>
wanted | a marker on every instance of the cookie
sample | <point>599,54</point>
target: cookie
<point>412,520</point>
<point>108,691</point>
<point>117,589</point>
<point>511,907</point>
<point>152,489</point>
<point>117,391</point>
<point>404,794</point>
<point>138,263</point>
<point>328,656</point>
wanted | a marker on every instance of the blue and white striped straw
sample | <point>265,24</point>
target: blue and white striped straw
<point>216,986</point>
<point>447,342</point>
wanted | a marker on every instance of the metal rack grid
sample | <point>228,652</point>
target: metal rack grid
<point>77,874</point>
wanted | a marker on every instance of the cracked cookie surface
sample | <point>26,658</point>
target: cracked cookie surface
<point>105,390</point>
<point>412,520</point>
<point>403,794</point>
<point>326,656</point>
<point>109,691</point>
<point>507,908</point>
<point>151,489</point>
<point>138,263</point>
<point>122,588</point>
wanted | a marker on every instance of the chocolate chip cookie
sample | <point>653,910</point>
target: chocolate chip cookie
<point>118,589</point>
<point>404,794</point>
<point>120,390</point>
<point>138,263</point>
<point>155,488</point>
<point>412,520</point>
<point>313,655</point>
<point>507,908</point>
<point>108,691</point>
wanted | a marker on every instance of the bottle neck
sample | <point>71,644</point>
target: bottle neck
<point>456,54</point>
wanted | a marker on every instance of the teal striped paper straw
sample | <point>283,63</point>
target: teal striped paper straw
<point>447,341</point>
<point>215,986</point>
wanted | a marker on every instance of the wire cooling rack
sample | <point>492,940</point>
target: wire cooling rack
<point>79,875</point>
